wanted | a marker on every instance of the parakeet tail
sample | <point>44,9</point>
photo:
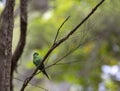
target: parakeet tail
<point>45,73</point>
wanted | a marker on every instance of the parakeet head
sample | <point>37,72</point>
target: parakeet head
<point>35,54</point>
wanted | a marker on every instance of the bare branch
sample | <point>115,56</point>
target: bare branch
<point>71,62</point>
<point>60,28</point>
<point>60,42</point>
<point>23,30</point>
<point>31,84</point>
<point>67,54</point>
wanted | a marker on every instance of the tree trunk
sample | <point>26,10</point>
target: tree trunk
<point>6,33</point>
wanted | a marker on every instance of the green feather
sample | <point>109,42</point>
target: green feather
<point>36,59</point>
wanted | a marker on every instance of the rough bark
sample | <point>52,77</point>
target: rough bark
<point>6,33</point>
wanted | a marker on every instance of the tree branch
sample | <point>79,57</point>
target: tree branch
<point>23,32</point>
<point>31,84</point>
<point>59,29</point>
<point>67,54</point>
<point>57,43</point>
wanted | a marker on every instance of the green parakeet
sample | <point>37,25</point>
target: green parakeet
<point>37,60</point>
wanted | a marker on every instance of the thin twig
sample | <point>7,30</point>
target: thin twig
<point>59,29</point>
<point>27,80</point>
<point>66,63</point>
<point>30,83</point>
<point>67,54</point>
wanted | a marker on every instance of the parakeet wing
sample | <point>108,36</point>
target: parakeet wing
<point>36,61</point>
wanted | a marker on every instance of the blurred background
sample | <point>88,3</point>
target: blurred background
<point>92,66</point>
